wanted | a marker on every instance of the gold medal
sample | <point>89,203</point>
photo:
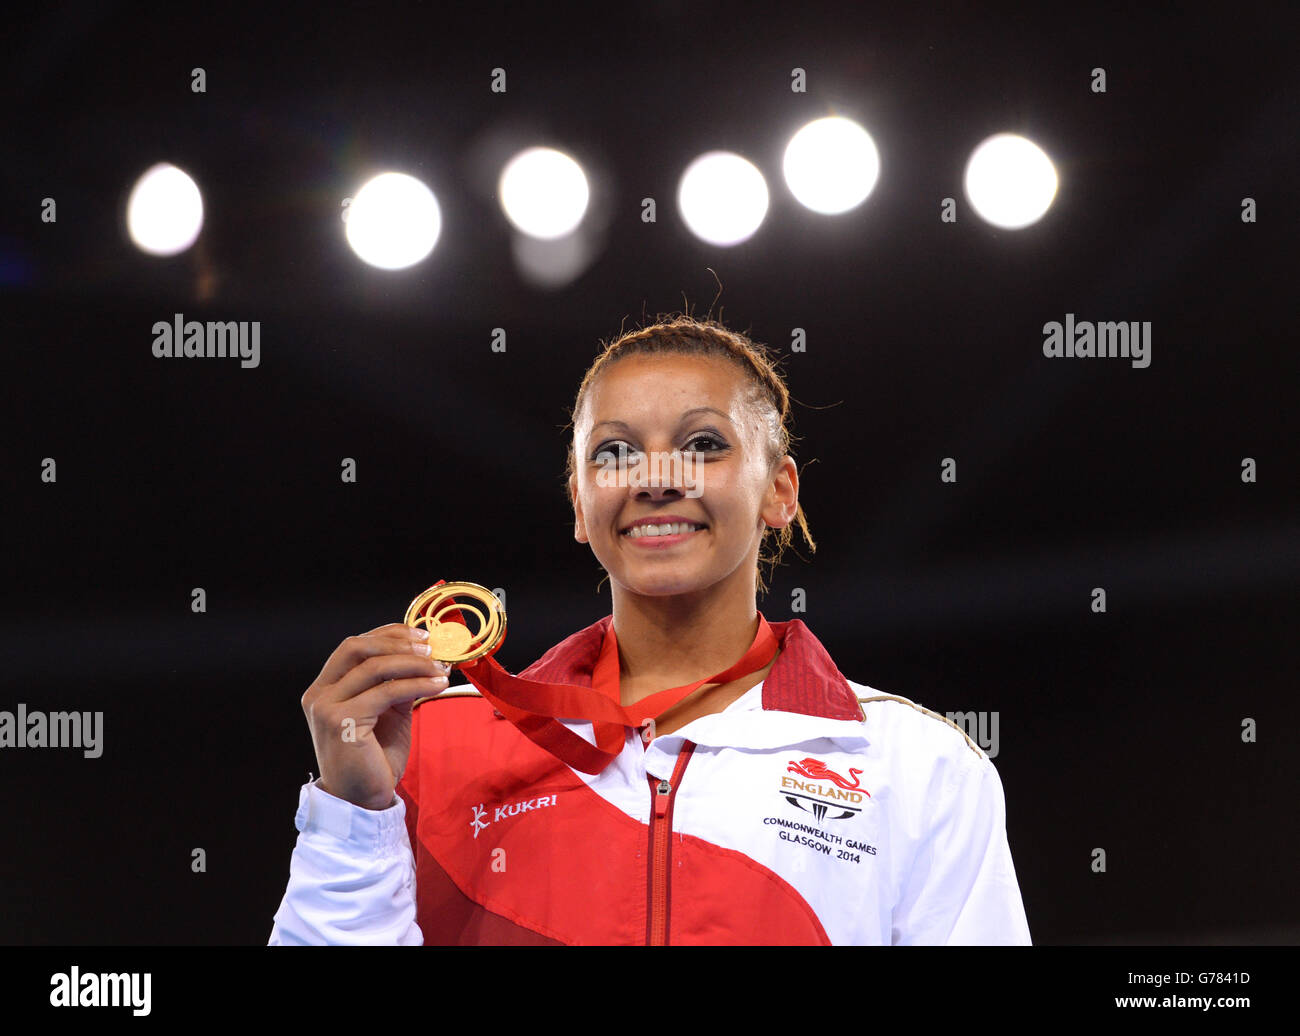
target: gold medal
<point>453,641</point>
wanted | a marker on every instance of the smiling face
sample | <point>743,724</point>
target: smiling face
<point>724,485</point>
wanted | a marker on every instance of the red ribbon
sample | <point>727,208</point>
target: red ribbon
<point>536,707</point>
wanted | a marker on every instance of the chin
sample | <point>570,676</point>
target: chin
<point>664,584</point>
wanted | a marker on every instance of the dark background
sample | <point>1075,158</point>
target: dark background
<point>1120,731</point>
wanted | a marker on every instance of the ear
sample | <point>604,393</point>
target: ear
<point>781,502</point>
<point>579,524</point>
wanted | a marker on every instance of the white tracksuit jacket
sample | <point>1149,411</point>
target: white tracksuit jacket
<point>782,827</point>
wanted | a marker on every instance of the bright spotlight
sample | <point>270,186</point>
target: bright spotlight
<point>543,193</point>
<point>831,165</point>
<point>165,211</point>
<point>393,221</point>
<point>1010,182</point>
<point>722,198</point>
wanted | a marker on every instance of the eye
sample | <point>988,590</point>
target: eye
<point>711,444</point>
<point>616,449</point>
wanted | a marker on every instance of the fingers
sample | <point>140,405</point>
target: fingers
<point>392,639</point>
<point>374,702</point>
<point>389,627</point>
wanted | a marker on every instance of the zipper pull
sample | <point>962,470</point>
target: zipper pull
<point>661,799</point>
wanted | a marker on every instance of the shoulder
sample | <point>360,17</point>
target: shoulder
<point>900,719</point>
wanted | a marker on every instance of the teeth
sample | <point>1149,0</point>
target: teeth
<point>671,529</point>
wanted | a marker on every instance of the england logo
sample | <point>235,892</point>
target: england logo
<point>819,790</point>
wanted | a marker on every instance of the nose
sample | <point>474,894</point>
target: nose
<point>659,475</point>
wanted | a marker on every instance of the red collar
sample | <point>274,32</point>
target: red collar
<point>803,680</point>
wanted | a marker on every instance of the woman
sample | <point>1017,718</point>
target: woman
<point>775,802</point>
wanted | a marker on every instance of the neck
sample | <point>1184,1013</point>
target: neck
<point>669,641</point>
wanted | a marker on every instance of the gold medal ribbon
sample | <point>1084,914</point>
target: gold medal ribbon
<point>536,707</point>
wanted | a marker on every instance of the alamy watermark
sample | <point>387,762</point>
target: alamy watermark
<point>102,989</point>
<point>194,339</point>
<point>53,730</point>
<point>1106,339</point>
<point>980,727</point>
<point>660,469</point>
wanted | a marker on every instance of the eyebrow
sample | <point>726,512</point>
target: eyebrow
<point>681,420</point>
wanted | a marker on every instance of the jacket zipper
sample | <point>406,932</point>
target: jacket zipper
<point>661,847</point>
